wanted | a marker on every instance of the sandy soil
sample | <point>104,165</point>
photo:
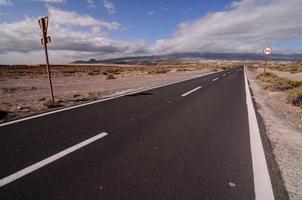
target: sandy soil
<point>283,127</point>
<point>26,95</point>
<point>296,76</point>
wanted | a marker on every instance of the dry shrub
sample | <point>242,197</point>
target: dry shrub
<point>51,104</point>
<point>294,96</point>
<point>91,96</point>
<point>275,83</point>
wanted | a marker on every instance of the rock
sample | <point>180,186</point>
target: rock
<point>3,114</point>
<point>109,76</point>
<point>23,108</point>
<point>42,99</point>
<point>232,184</point>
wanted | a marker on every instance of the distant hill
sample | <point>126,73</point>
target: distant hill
<point>177,57</point>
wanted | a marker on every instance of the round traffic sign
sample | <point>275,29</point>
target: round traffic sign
<point>267,51</point>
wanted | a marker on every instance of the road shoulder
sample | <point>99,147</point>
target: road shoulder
<point>282,143</point>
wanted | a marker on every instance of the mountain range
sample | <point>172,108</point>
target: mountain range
<point>179,57</point>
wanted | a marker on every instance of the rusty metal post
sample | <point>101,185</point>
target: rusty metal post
<point>265,65</point>
<point>267,52</point>
<point>43,22</point>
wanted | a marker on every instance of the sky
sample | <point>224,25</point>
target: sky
<point>85,29</point>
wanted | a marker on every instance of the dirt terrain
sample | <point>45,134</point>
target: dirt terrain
<point>24,89</point>
<point>289,75</point>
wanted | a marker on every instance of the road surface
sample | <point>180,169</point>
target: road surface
<point>189,140</point>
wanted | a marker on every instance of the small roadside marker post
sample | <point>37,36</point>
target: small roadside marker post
<point>43,22</point>
<point>267,52</point>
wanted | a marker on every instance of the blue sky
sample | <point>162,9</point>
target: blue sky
<point>138,18</point>
<point>163,17</point>
<point>82,29</point>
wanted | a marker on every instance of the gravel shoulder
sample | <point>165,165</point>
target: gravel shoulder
<point>283,128</point>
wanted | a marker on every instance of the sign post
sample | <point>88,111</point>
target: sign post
<point>267,52</point>
<point>43,22</point>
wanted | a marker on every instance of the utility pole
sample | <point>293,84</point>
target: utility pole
<point>43,22</point>
<point>266,52</point>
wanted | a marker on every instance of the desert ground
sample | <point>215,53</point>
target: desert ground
<point>25,89</point>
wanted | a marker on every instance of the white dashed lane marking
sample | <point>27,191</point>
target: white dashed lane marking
<point>38,165</point>
<point>185,94</point>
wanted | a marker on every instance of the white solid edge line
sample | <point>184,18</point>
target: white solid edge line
<point>48,160</point>
<point>185,94</point>
<point>215,79</point>
<point>262,182</point>
<point>101,100</point>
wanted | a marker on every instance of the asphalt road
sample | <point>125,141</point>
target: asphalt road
<point>188,140</point>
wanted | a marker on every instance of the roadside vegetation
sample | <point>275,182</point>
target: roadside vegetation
<point>34,71</point>
<point>294,67</point>
<point>294,96</point>
<point>292,88</point>
<point>50,104</point>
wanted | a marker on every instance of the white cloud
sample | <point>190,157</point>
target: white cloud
<point>5,2</point>
<point>90,4</point>
<point>64,17</point>
<point>186,11</point>
<point>70,40</point>
<point>248,26</point>
<point>109,6</point>
<point>164,9</point>
<point>51,1</point>
<point>159,10</point>
<point>150,13</point>
<point>96,29</point>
